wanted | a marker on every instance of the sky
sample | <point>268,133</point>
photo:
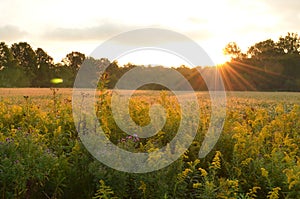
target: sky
<point>63,26</point>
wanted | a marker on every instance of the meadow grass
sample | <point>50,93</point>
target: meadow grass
<point>42,156</point>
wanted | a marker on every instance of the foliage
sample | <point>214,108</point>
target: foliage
<point>257,155</point>
<point>104,192</point>
<point>266,66</point>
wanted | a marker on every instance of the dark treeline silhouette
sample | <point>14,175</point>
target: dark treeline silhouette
<point>21,66</point>
<point>266,66</point>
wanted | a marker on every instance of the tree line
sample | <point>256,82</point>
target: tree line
<point>266,66</point>
<point>22,66</point>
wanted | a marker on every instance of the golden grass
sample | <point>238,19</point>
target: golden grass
<point>257,97</point>
<point>32,91</point>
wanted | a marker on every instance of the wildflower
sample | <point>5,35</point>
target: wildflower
<point>135,138</point>
<point>246,162</point>
<point>197,185</point>
<point>143,187</point>
<point>216,163</point>
<point>274,194</point>
<point>252,192</point>
<point>203,172</point>
<point>234,184</point>
<point>9,140</point>
<point>185,173</point>
<point>264,172</point>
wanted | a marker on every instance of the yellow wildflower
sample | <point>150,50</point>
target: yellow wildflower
<point>274,194</point>
<point>203,172</point>
<point>216,163</point>
<point>264,172</point>
<point>197,185</point>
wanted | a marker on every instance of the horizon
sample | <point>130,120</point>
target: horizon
<point>83,27</point>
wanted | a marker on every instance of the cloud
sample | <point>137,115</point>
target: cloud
<point>288,11</point>
<point>10,32</point>
<point>108,30</point>
<point>199,34</point>
<point>100,32</point>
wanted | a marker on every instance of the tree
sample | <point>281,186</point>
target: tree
<point>25,58</point>
<point>264,49</point>
<point>233,50</point>
<point>290,44</point>
<point>70,67</point>
<point>45,66</point>
<point>6,57</point>
<point>11,75</point>
<point>74,60</point>
<point>91,71</point>
<point>113,71</point>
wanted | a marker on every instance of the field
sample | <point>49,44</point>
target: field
<point>256,156</point>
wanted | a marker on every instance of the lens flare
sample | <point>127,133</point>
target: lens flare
<point>57,80</point>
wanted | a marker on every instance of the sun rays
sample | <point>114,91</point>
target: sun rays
<point>241,76</point>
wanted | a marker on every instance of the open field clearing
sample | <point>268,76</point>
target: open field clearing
<point>42,154</point>
<point>33,92</point>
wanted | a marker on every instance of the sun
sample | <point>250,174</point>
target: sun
<point>220,59</point>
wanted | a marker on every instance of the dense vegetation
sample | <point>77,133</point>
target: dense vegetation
<point>257,155</point>
<point>266,66</point>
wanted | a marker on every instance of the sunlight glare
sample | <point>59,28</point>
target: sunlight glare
<point>152,57</point>
<point>220,59</point>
